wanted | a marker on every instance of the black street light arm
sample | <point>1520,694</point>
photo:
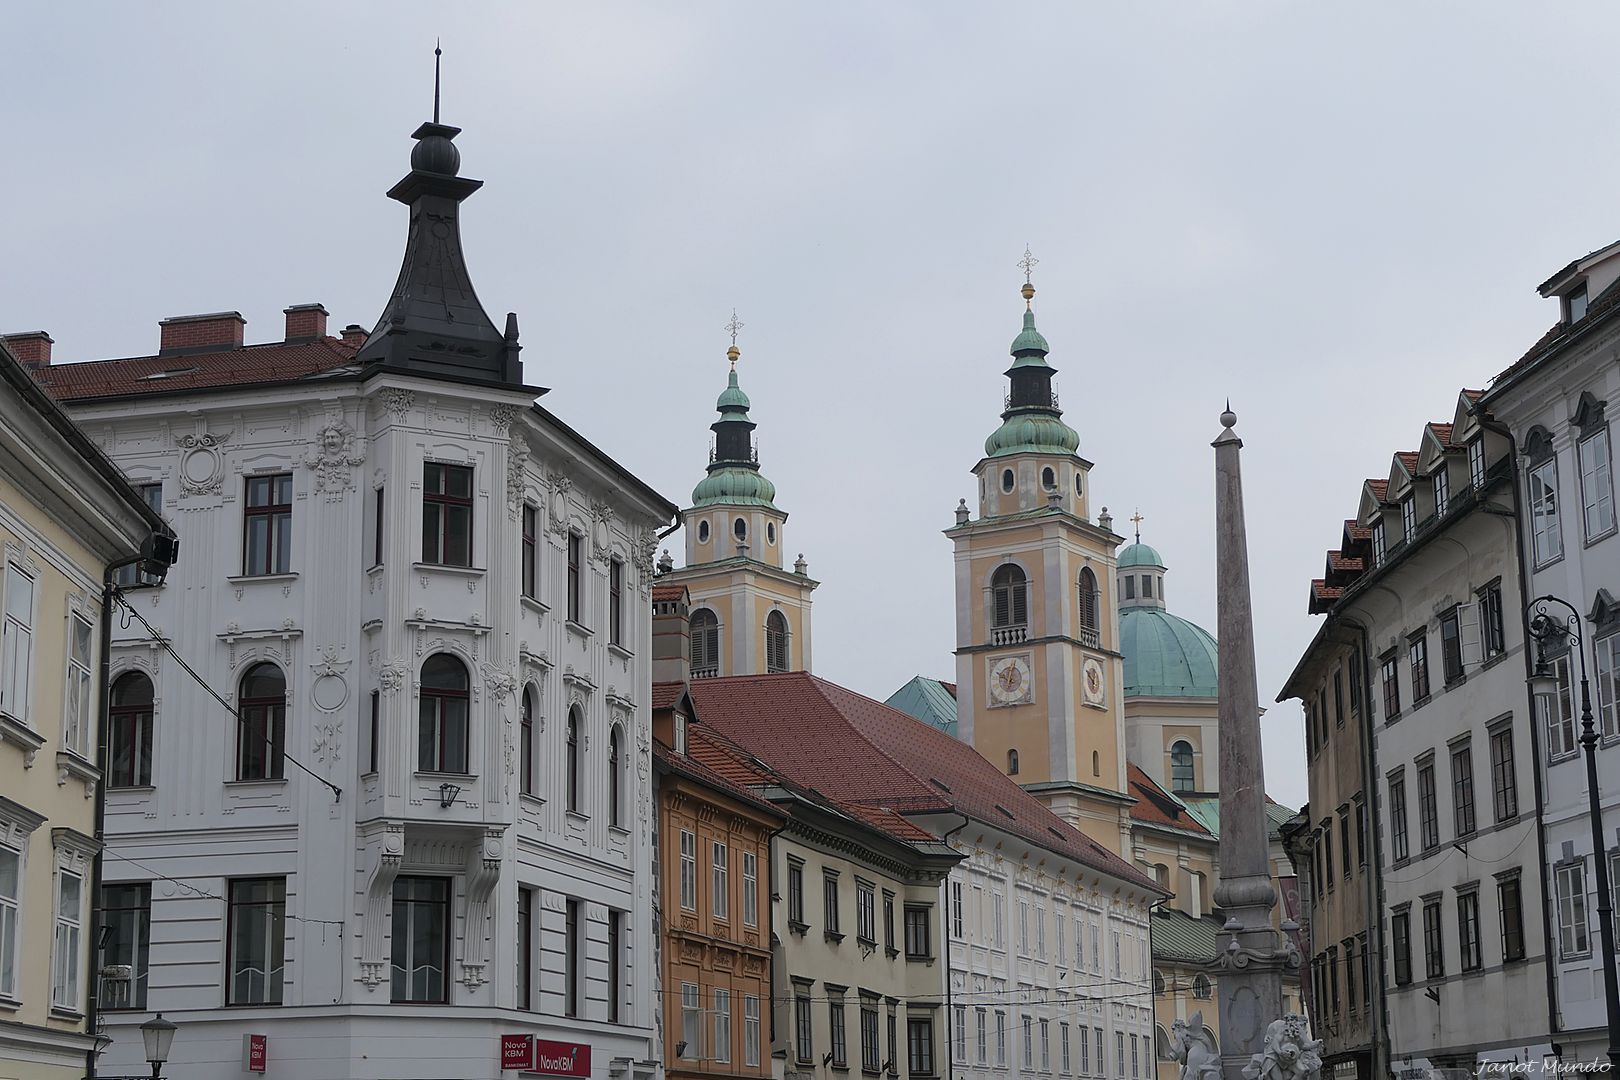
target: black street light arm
<point>1545,626</point>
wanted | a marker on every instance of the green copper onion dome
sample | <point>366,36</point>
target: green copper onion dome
<point>1027,434</point>
<point>1032,422</point>
<point>732,397</point>
<point>734,486</point>
<point>734,478</point>
<point>1029,340</point>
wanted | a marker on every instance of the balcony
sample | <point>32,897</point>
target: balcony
<point>1090,638</point>
<point>705,672</point>
<point>1037,400</point>
<point>1009,635</point>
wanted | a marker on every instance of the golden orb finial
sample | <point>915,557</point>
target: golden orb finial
<point>1028,291</point>
<point>732,354</point>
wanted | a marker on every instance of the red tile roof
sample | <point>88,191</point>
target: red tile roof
<point>275,362</point>
<point>1473,395</point>
<point>860,751</point>
<point>1379,488</point>
<point>666,694</point>
<point>950,688</point>
<point>691,766</point>
<point>1155,806</point>
<point>668,593</point>
<point>1339,563</point>
<point>1442,433</point>
<point>1355,530</point>
<point>1408,459</point>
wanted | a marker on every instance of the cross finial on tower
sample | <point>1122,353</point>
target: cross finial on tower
<point>731,328</point>
<point>437,52</point>
<point>1137,519</point>
<point>1027,264</point>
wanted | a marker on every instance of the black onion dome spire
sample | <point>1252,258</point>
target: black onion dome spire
<point>433,323</point>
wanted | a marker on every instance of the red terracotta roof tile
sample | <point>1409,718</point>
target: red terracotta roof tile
<point>1155,806</point>
<point>275,362</point>
<point>860,751</point>
<point>666,694</point>
<point>1337,562</point>
<point>1473,395</point>
<point>1379,488</point>
<point>1408,459</point>
<point>1442,433</point>
<point>690,766</point>
<point>1355,530</point>
<point>667,593</point>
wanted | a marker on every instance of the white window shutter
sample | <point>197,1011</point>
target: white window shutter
<point>1468,632</point>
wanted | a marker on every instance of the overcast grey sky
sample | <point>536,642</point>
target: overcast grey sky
<point>1336,215</point>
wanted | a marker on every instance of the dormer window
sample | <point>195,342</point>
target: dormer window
<point>1378,543</point>
<point>1575,305</point>
<point>1476,462</point>
<point>1442,490</point>
<point>1408,517</point>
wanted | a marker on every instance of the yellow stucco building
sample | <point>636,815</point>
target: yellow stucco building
<point>66,514</point>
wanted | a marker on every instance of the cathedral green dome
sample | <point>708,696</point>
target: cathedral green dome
<point>1032,433</point>
<point>1139,554</point>
<point>734,485</point>
<point>732,397</point>
<point>1029,339</point>
<point>1167,656</point>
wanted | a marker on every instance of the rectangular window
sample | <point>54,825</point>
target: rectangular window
<point>998,919</point>
<point>572,942</point>
<point>1504,783</point>
<point>1389,668</point>
<point>1085,1048</point>
<point>1060,951</point>
<point>795,894</point>
<point>1338,697</point>
<point>1608,684</point>
<point>1119,968</point>
<point>1350,975</point>
<point>959,1032</point>
<point>378,533</point>
<point>1573,939</point>
<point>1119,1052</point>
<point>1023,927</point>
<point>917,944</point>
<point>721,892</point>
<point>1327,856</point>
<point>956,910</point>
<point>374,731</point>
<point>1468,931</point>
<point>447,506</point>
<point>1597,490</point>
<point>1547,538</point>
<point>1344,845</point>
<point>688,870</point>
<point>1408,518</point>
<point>267,525</point>
<point>750,884</point>
<point>576,559</point>
<point>722,1026</point>
<point>69,936</point>
<point>804,1045</point>
<point>1135,1058</point>
<point>1511,904</point>
<point>894,1047</point>
<point>1418,653</point>
<point>1434,956</point>
<point>1130,587</point>
<point>751,1030</point>
<point>17,644</point>
<point>1576,302</point>
<point>837,1042</point>
<point>1476,462</point>
<point>871,1046</point>
<point>76,724</point>
<point>920,1045</point>
<point>525,948</point>
<point>1147,587</point>
<point>888,922</point>
<point>531,551</point>
<point>865,912</point>
<point>1428,809</point>
<point>257,936</point>
<point>982,1020</point>
<point>1400,933</point>
<point>1361,832</point>
<point>1451,661</point>
<point>1333,979</point>
<point>1378,545</point>
<point>1029,1043</point>
<point>1040,930</point>
<point>829,901</point>
<point>1046,1046</point>
<point>1001,1038</point>
<point>616,602</point>
<point>1442,490</point>
<point>615,958</point>
<point>1558,713</point>
<point>1355,683</point>
<point>691,1022</point>
<point>1462,788</point>
<point>1492,640</point>
<point>1063,1043</point>
<point>131,575</point>
<point>126,939</point>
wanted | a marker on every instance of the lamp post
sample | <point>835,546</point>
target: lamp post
<point>1546,628</point>
<point>158,1034</point>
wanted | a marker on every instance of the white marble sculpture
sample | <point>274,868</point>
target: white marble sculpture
<point>1290,1053</point>
<point>1190,1044</point>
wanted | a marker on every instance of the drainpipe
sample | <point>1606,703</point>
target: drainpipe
<point>92,1012</point>
<point>1489,423</point>
<point>945,908</point>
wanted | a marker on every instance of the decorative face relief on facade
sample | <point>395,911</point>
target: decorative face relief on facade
<point>391,676</point>
<point>333,458</point>
<point>202,463</point>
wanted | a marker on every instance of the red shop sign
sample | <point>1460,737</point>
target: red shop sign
<point>255,1052</point>
<point>517,1051</point>
<point>561,1059</point>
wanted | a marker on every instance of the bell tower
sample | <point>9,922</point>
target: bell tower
<point>1038,670</point>
<point>750,614</point>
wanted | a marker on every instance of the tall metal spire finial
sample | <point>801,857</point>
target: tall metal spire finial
<point>1137,519</point>
<point>437,52</point>
<point>731,328</point>
<point>1027,264</point>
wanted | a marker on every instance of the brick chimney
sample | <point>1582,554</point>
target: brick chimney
<point>305,322</point>
<point>671,634</point>
<point>32,348</point>
<point>213,332</point>
<point>354,335</point>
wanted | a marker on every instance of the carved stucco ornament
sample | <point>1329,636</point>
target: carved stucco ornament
<point>335,454</point>
<point>202,462</point>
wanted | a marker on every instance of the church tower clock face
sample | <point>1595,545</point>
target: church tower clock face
<point>1091,678</point>
<point>1010,683</point>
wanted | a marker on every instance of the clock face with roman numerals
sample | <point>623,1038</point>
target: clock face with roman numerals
<point>1092,685</point>
<point>1010,682</point>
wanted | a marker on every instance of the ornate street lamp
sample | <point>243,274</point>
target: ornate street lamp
<point>158,1034</point>
<point>1548,628</point>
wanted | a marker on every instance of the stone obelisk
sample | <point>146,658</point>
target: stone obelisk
<point>1252,954</point>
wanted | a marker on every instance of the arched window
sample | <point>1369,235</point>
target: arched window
<point>573,758</point>
<point>442,717</point>
<point>1161,874</point>
<point>1012,763</point>
<point>1006,480</point>
<point>1079,484</point>
<point>703,532</point>
<point>129,719</point>
<point>739,529</point>
<point>705,643</point>
<point>770,532</point>
<point>1181,766</point>
<point>1096,763</point>
<point>1089,605</point>
<point>1158,982</point>
<point>261,730</point>
<point>1048,478</point>
<point>526,742</point>
<point>615,777</point>
<point>776,642</point>
<point>1011,593</point>
<point>1201,987</point>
